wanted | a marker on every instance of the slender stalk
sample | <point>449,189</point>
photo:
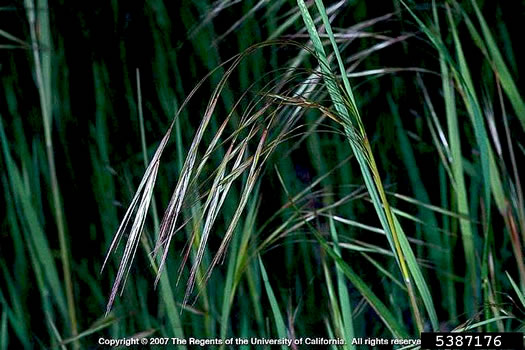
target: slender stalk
<point>399,251</point>
<point>43,79</point>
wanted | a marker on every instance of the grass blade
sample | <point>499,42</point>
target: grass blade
<point>278,318</point>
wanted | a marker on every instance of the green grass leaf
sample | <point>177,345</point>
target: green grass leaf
<point>274,304</point>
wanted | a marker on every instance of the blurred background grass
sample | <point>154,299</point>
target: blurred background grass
<point>77,131</point>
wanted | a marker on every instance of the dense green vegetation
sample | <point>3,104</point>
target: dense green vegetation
<point>271,169</point>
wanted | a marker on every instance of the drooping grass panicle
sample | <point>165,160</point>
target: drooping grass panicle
<point>136,213</point>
